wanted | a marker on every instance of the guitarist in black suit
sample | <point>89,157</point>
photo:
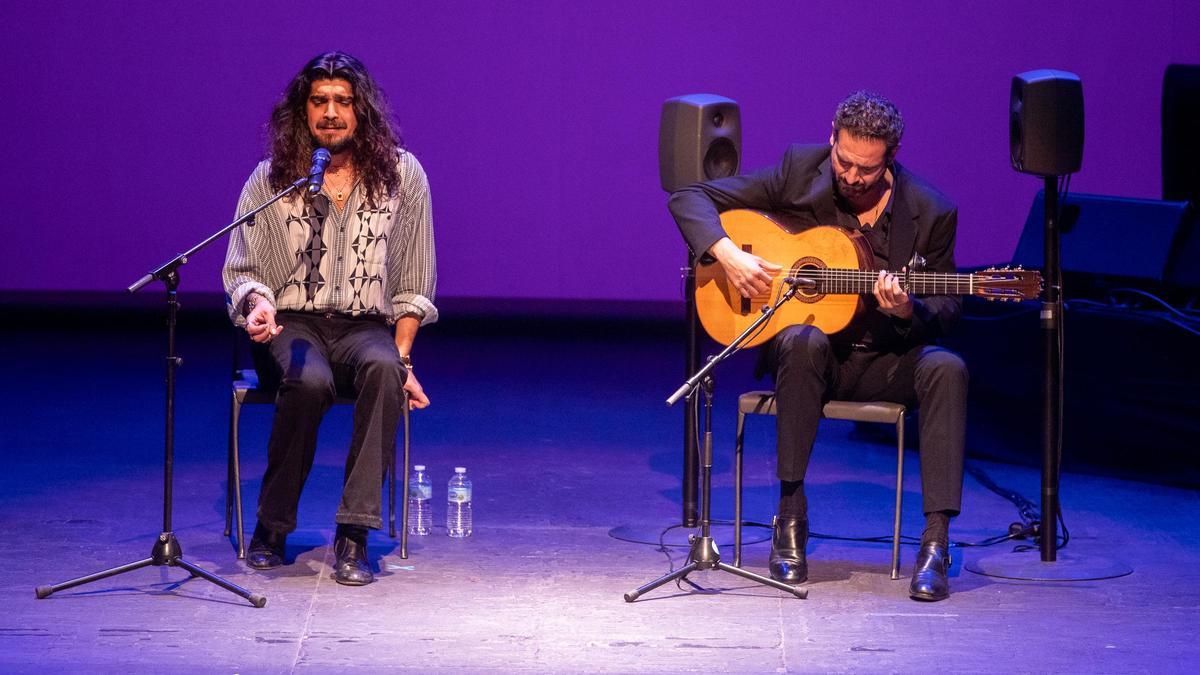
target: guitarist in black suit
<point>888,352</point>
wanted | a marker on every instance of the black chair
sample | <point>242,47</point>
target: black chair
<point>763,403</point>
<point>246,390</point>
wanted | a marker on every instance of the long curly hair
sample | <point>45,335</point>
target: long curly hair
<point>376,144</point>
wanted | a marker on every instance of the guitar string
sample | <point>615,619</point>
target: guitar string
<point>850,281</point>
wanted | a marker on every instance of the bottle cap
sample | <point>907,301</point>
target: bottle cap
<point>460,469</point>
<point>418,467</point>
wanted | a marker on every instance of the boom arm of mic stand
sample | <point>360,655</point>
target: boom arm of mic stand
<point>169,267</point>
<point>688,387</point>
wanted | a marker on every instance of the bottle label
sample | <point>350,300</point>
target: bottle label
<point>458,495</point>
<point>422,492</point>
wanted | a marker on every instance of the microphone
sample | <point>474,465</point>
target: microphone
<point>800,281</point>
<point>316,175</point>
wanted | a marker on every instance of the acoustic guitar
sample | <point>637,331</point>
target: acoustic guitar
<point>837,268</point>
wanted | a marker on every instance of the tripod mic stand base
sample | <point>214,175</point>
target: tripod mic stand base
<point>705,556</point>
<point>680,536</point>
<point>166,552</point>
<point>1028,566</point>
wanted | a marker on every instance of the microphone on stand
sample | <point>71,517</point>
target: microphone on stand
<point>316,175</point>
<point>803,282</point>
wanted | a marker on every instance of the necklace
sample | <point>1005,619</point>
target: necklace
<point>873,216</point>
<point>339,192</point>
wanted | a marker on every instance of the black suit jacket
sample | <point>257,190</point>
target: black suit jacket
<point>800,190</point>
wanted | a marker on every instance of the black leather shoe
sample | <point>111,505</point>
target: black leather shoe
<point>929,579</point>
<point>787,561</point>
<point>351,568</point>
<point>266,549</point>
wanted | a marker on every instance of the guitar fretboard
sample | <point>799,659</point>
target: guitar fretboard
<point>836,281</point>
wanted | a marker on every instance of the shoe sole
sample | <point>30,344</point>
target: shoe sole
<point>790,582</point>
<point>347,582</point>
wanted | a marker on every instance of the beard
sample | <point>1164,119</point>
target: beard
<point>852,191</point>
<point>337,144</point>
<point>340,146</point>
<point>857,190</point>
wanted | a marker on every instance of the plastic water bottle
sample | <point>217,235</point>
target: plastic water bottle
<point>420,502</point>
<point>458,504</point>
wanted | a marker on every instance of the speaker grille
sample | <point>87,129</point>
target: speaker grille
<point>721,160</point>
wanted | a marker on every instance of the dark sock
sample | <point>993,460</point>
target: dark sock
<point>355,533</point>
<point>792,503</point>
<point>937,528</point>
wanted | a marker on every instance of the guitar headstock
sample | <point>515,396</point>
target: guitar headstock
<point>1007,283</point>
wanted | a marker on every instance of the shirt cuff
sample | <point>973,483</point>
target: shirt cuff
<point>413,303</point>
<point>238,298</point>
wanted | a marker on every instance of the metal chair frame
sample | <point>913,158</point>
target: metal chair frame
<point>246,390</point>
<point>763,403</point>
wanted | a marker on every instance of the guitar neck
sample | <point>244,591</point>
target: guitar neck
<point>845,281</point>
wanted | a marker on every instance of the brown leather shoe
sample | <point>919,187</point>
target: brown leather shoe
<point>787,562</point>
<point>930,580</point>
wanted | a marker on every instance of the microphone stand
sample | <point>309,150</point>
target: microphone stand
<point>704,554</point>
<point>166,550</point>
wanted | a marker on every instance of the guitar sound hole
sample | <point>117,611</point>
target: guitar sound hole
<point>806,268</point>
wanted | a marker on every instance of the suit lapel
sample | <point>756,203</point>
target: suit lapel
<point>821,196</point>
<point>903,237</point>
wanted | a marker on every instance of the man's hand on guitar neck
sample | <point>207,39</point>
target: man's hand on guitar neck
<point>750,274</point>
<point>892,299</point>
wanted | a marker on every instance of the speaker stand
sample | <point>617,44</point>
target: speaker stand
<point>1048,565</point>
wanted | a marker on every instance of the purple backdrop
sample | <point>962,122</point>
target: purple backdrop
<point>133,127</point>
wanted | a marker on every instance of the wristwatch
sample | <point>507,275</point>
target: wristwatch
<point>406,360</point>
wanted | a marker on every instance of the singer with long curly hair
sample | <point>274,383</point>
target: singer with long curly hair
<point>331,285</point>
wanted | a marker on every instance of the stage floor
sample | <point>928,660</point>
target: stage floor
<point>566,436</point>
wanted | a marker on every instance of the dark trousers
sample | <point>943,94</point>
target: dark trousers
<point>809,371</point>
<point>314,358</point>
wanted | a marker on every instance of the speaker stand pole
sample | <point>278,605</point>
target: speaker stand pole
<point>1050,565</point>
<point>1052,384</point>
<point>691,365</point>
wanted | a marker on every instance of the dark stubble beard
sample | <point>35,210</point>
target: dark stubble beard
<point>343,146</point>
<point>335,148</point>
<point>848,192</point>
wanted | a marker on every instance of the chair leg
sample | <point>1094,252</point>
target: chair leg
<point>229,467</point>
<point>737,489</point>
<point>899,496</point>
<point>236,462</point>
<point>404,507</point>
<point>391,479</point>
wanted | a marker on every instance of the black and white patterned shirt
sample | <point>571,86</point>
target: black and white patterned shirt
<point>308,256</point>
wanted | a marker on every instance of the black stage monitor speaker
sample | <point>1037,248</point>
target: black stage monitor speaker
<point>1045,131</point>
<point>1117,237</point>
<point>699,139</point>
<point>1181,132</point>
